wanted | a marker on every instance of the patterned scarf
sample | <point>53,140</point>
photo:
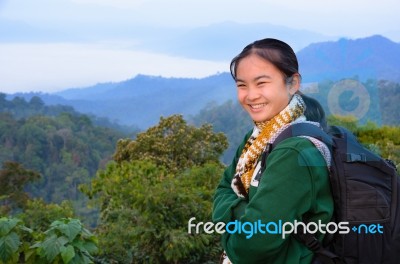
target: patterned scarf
<point>263,133</point>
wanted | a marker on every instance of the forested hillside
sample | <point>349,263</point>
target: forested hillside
<point>145,198</point>
<point>63,146</point>
<point>370,100</point>
<point>25,106</point>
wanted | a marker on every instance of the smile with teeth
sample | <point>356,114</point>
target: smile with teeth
<point>257,106</point>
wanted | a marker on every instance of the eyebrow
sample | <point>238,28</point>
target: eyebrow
<point>256,78</point>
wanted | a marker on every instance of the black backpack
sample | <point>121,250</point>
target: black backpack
<point>365,190</point>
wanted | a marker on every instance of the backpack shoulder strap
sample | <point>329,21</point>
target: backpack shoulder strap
<point>304,129</point>
<point>295,130</point>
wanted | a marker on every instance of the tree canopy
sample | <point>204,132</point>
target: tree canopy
<point>156,184</point>
<point>173,144</point>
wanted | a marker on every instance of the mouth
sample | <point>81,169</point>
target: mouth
<point>256,106</point>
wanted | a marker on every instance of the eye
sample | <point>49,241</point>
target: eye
<point>261,83</point>
<point>240,85</point>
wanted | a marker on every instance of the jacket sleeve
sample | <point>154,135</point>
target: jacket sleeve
<point>226,203</point>
<point>286,192</point>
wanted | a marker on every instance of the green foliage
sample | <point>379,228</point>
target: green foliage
<point>384,141</point>
<point>389,98</point>
<point>19,108</point>
<point>66,241</point>
<point>10,239</point>
<point>13,178</point>
<point>145,210</point>
<point>38,215</point>
<point>173,144</point>
<point>228,118</point>
<point>66,150</point>
<point>349,122</point>
<point>158,182</point>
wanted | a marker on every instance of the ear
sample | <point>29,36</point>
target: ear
<point>294,86</point>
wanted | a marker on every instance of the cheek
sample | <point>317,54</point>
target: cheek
<point>283,101</point>
<point>241,95</point>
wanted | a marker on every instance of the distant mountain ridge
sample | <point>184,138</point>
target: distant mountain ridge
<point>143,99</point>
<point>221,41</point>
<point>374,57</point>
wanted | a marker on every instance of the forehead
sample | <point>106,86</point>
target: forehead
<point>254,64</point>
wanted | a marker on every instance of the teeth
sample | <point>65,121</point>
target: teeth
<point>257,106</point>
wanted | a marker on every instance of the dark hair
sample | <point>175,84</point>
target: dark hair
<point>277,52</point>
<point>314,111</point>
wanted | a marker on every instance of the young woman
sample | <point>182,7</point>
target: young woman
<point>294,185</point>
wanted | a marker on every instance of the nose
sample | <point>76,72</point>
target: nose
<point>252,94</point>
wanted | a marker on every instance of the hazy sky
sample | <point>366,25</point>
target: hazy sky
<point>50,45</point>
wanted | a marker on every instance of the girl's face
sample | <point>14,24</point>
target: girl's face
<point>261,88</point>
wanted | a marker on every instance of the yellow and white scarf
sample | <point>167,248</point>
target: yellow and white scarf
<point>263,133</point>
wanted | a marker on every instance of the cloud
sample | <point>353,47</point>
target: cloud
<point>53,67</point>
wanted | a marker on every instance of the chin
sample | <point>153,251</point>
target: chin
<point>260,117</point>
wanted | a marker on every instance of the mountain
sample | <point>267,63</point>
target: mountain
<point>143,99</point>
<point>222,41</point>
<point>374,57</point>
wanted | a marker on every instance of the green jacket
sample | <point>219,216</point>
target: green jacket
<point>294,184</point>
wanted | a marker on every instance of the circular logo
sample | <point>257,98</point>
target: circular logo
<point>349,97</point>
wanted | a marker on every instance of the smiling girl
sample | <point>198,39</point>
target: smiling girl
<point>294,185</point>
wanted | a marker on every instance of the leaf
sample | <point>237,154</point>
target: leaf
<point>67,253</point>
<point>24,228</point>
<point>78,259</point>
<point>52,246</point>
<point>71,229</point>
<point>7,224</point>
<point>29,253</point>
<point>90,247</point>
<point>9,246</point>
<point>79,245</point>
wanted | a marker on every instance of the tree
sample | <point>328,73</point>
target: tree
<point>349,122</point>
<point>145,212</point>
<point>228,118</point>
<point>38,215</point>
<point>159,181</point>
<point>173,144</point>
<point>36,103</point>
<point>13,178</point>
<point>66,150</point>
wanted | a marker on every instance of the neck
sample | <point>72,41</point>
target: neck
<point>295,105</point>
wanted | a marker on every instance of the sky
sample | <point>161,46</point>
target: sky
<point>51,45</point>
